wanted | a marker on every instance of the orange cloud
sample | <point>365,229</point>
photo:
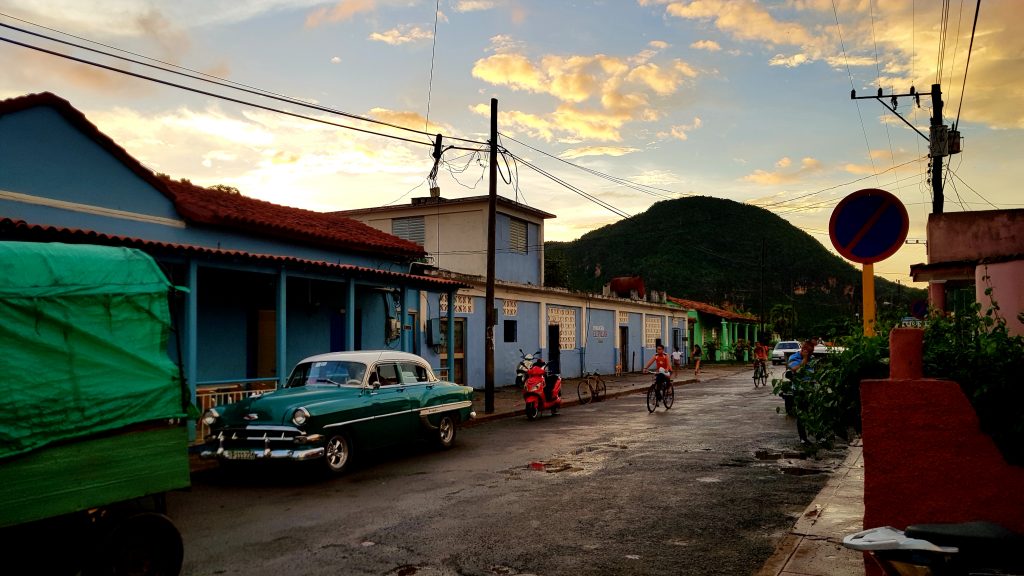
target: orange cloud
<point>343,10</point>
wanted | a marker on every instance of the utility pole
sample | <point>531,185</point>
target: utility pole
<point>764,250</point>
<point>941,140</point>
<point>492,206</point>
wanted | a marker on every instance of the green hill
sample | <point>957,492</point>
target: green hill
<point>710,250</point>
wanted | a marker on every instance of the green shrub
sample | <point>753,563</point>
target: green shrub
<point>974,349</point>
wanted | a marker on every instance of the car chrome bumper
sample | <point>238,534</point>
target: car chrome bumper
<point>244,454</point>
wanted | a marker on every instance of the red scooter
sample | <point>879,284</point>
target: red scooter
<point>542,391</point>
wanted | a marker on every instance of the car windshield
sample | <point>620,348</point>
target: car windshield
<point>327,372</point>
<point>787,346</point>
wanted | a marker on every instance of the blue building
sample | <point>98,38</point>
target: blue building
<point>266,284</point>
<point>575,333</point>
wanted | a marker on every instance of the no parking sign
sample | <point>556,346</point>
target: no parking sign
<point>868,226</point>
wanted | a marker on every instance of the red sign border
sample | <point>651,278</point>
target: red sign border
<point>905,225</point>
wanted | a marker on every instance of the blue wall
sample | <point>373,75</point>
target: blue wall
<point>506,354</point>
<point>569,360</point>
<point>521,268</point>
<point>42,155</point>
<point>601,332</point>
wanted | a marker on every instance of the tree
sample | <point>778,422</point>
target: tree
<point>783,319</point>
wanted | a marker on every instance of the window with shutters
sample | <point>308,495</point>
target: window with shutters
<point>517,236</point>
<point>411,229</point>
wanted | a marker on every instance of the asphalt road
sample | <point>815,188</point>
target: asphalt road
<point>605,488</point>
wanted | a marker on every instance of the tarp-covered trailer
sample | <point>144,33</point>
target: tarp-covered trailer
<point>92,408</point>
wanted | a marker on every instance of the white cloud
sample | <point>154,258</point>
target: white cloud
<point>709,45</point>
<point>402,35</point>
<point>336,60</point>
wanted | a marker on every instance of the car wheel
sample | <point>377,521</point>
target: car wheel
<point>446,431</point>
<point>338,453</point>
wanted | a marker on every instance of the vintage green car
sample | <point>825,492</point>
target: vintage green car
<point>335,403</point>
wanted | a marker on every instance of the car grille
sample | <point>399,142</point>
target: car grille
<point>255,436</point>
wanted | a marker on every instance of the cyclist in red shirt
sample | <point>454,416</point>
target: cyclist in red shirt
<point>760,353</point>
<point>664,368</point>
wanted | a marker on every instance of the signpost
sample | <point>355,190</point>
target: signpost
<point>868,226</point>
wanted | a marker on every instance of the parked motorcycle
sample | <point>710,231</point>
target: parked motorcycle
<point>942,549</point>
<point>542,391</point>
<point>525,363</point>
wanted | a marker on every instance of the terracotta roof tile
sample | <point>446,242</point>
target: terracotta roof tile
<point>11,229</point>
<point>713,310</point>
<point>235,211</point>
<point>224,209</point>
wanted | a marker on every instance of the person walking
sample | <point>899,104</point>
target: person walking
<point>696,360</point>
<point>800,375</point>
<point>677,358</point>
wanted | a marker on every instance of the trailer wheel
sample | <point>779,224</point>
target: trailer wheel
<point>146,544</point>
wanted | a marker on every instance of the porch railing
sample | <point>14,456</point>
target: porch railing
<point>210,394</point>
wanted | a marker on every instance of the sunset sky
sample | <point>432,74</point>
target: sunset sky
<point>627,101</point>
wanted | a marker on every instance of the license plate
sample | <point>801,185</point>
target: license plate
<point>239,455</point>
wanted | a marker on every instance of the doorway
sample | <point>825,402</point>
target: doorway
<point>624,348</point>
<point>554,350</point>
<point>460,350</point>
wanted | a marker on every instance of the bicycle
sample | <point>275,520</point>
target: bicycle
<point>663,394</point>
<point>591,387</point>
<point>760,373</point>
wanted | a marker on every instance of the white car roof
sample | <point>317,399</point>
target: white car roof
<point>366,357</point>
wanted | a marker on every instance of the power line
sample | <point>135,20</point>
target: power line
<point>214,95</point>
<point>875,175</point>
<point>846,59</point>
<point>970,48</point>
<point>209,78</point>
<point>957,176</point>
<point>621,181</point>
<point>433,48</point>
<point>570,187</point>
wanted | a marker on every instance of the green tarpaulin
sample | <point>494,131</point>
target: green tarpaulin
<point>83,343</point>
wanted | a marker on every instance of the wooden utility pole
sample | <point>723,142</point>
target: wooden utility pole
<point>941,140</point>
<point>938,148</point>
<point>489,299</point>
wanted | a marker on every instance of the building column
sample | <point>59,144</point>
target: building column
<point>282,327</point>
<point>450,336</point>
<point>190,353</point>
<point>403,315</point>
<point>350,316</point>
<point>937,295</point>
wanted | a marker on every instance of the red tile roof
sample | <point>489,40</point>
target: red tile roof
<point>233,211</point>
<point>23,231</point>
<point>226,210</point>
<point>713,310</point>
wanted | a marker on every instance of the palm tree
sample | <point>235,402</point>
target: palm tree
<point>783,319</point>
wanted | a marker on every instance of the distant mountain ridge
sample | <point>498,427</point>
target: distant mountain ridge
<point>710,250</point>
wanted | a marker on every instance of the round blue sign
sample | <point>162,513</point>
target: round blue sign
<point>868,226</point>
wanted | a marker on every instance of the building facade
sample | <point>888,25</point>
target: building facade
<point>264,285</point>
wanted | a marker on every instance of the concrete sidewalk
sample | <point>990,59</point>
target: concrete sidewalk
<point>814,545</point>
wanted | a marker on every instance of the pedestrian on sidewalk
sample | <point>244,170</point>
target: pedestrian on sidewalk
<point>677,358</point>
<point>801,371</point>
<point>696,360</point>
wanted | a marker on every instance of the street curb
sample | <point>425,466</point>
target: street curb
<point>482,418</point>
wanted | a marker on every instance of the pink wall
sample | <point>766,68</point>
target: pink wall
<point>925,458</point>
<point>1007,282</point>
<point>954,236</point>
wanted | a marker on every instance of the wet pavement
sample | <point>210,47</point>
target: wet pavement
<point>813,546</point>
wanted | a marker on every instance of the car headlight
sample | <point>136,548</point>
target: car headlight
<point>211,416</point>
<point>300,416</point>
